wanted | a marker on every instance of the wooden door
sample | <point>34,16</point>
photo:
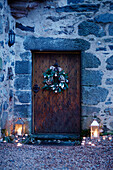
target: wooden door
<point>57,113</point>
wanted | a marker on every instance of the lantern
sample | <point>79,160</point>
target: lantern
<point>94,129</point>
<point>11,38</point>
<point>19,127</point>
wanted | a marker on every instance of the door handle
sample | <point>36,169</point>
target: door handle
<point>36,88</point>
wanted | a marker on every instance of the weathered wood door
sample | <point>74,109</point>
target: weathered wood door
<point>57,113</point>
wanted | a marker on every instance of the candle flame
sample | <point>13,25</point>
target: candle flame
<point>95,133</point>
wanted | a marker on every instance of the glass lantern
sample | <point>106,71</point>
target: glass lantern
<point>19,127</point>
<point>94,129</point>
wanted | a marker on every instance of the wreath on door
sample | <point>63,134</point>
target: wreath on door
<point>55,79</point>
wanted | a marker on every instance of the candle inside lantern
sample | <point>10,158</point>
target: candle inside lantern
<point>19,131</point>
<point>95,133</point>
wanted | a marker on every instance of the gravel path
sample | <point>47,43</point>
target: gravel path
<point>32,157</point>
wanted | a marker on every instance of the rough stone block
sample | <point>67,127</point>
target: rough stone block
<point>4,120</point>
<point>110,29</point>
<point>23,96</point>
<point>86,28</point>
<point>91,77</point>
<point>89,61</point>
<point>24,28</point>
<point>2,43</point>
<point>101,49</point>
<point>79,8</point>
<point>23,67</point>
<point>22,82</point>
<point>26,56</point>
<point>111,124</point>
<point>57,44</point>
<point>109,62</point>
<point>1,6</point>
<point>1,27</point>
<point>111,47</point>
<point>104,18</point>
<point>5,105</point>
<point>88,111</point>
<point>23,111</point>
<point>0,109</point>
<point>109,81</point>
<point>74,1</point>
<point>93,95</point>
<point>1,77</point>
<point>109,111</point>
<point>0,64</point>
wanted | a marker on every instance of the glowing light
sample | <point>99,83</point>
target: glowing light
<point>83,144</point>
<point>4,141</point>
<point>89,143</point>
<point>84,138</point>
<point>16,141</point>
<point>95,133</point>
<point>104,137</point>
<point>19,144</point>
<point>110,138</point>
<point>92,144</point>
<point>26,134</point>
<point>19,131</point>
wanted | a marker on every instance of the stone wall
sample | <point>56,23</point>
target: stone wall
<point>85,25</point>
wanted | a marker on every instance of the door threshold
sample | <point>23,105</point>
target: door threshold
<point>56,136</point>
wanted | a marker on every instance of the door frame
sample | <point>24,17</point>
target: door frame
<point>32,124</point>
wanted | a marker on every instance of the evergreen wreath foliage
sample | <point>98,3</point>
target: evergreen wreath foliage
<point>55,79</point>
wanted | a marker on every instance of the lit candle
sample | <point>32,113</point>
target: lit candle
<point>110,138</point>
<point>83,144</point>
<point>104,137</point>
<point>89,143</point>
<point>19,144</point>
<point>26,134</point>
<point>16,140</point>
<point>95,133</point>
<point>19,131</point>
<point>84,138</point>
<point>92,144</point>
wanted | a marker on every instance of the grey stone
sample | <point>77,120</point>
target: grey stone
<point>111,6</point>
<point>111,124</point>
<point>74,1</point>
<point>109,81</point>
<point>23,67</point>
<point>22,82</point>
<point>4,120</point>
<point>2,43</point>
<point>109,111</point>
<point>23,96</point>
<point>23,111</point>
<point>1,77</point>
<point>101,49</point>
<point>108,103</point>
<point>5,105</point>
<point>109,62</point>
<point>111,47</point>
<point>89,61</point>
<point>26,56</point>
<point>57,44</point>
<point>86,28</point>
<point>55,19</point>
<point>104,18</point>
<point>110,29</point>
<point>79,8</point>
<point>0,109</point>
<point>108,40</point>
<point>91,77</point>
<point>93,95</point>
<point>0,63</point>
<point>1,27</point>
<point>24,28</point>
<point>88,111</point>
<point>1,6</point>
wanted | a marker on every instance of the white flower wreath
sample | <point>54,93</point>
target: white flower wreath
<point>55,79</point>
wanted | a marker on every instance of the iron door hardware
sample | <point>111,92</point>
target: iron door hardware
<point>36,88</point>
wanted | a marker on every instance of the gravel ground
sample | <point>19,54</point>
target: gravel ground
<point>32,157</point>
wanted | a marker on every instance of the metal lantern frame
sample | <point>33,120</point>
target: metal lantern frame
<point>20,124</point>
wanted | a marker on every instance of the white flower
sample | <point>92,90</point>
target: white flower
<point>52,67</point>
